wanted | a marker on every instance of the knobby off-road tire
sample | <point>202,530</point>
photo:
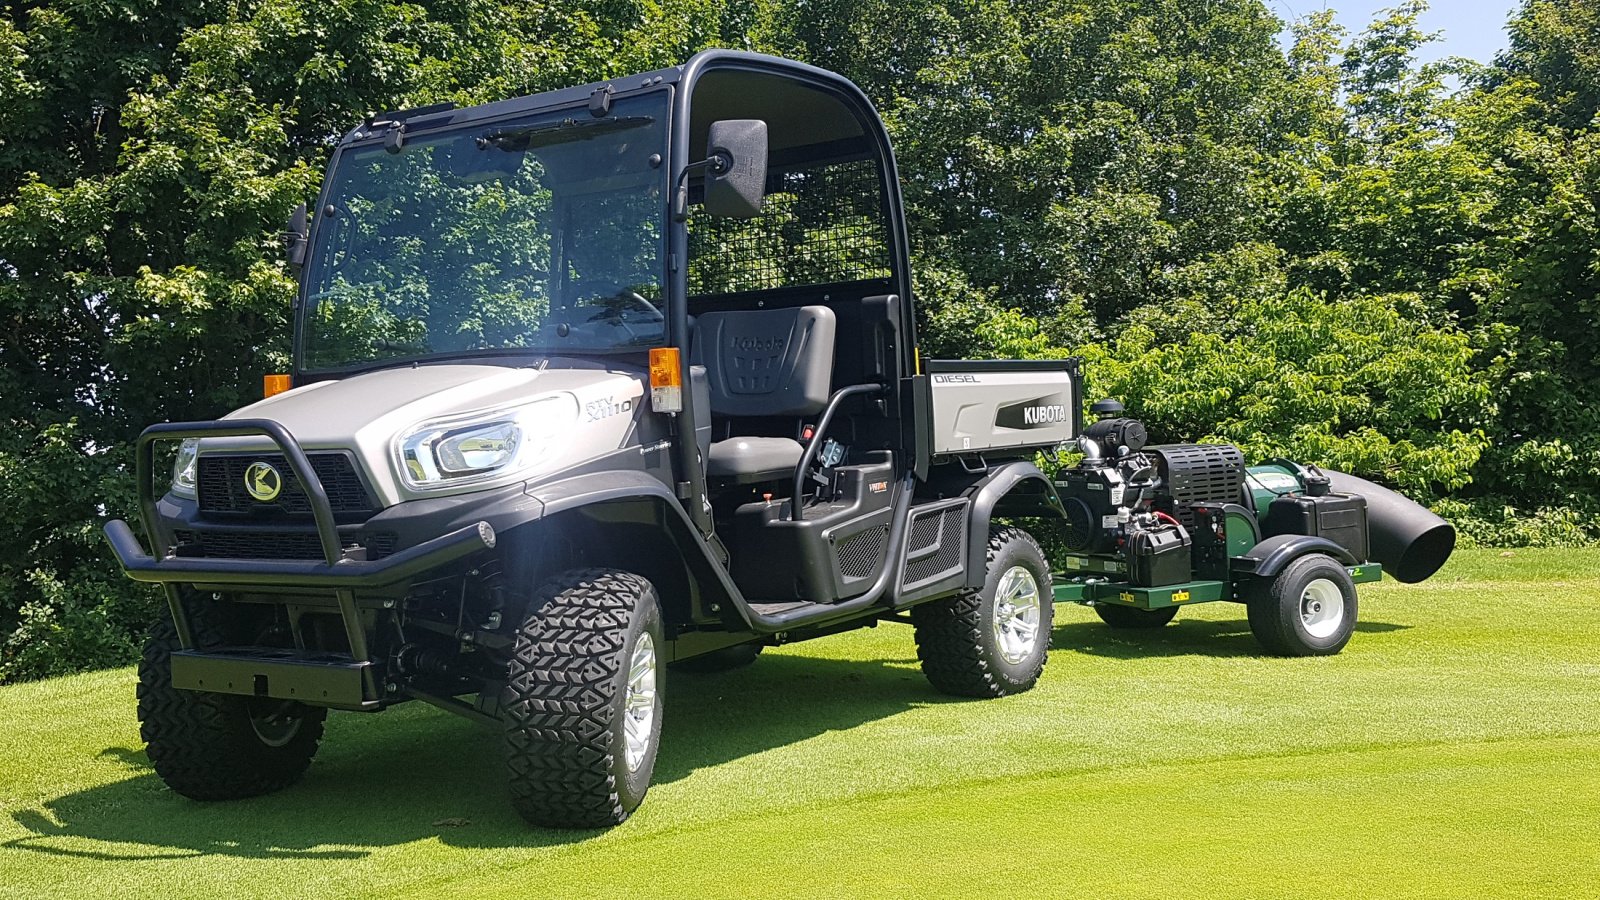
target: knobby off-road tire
<point>724,660</point>
<point>576,666</point>
<point>1133,617</point>
<point>218,746</point>
<point>1309,609</point>
<point>994,641</point>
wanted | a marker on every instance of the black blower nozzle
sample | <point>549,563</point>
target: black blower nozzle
<point>1409,541</point>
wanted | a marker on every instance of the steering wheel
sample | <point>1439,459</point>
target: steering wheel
<point>613,314</point>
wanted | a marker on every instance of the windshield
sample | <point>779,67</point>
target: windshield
<point>542,233</point>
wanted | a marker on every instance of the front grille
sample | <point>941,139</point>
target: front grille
<point>222,487</point>
<point>380,543</point>
<point>249,544</point>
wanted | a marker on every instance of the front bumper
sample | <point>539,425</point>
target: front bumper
<point>338,572</point>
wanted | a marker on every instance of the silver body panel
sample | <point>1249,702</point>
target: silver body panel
<point>592,412</point>
<point>985,407</point>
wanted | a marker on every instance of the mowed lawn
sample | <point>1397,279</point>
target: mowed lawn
<point>1452,750</point>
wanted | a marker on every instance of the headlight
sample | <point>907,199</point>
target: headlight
<point>466,449</point>
<point>183,468</point>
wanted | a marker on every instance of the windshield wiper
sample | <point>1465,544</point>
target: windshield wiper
<point>516,140</point>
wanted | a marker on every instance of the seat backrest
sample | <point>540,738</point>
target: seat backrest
<point>766,362</point>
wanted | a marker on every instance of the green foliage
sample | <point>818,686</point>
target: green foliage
<point>1491,522</point>
<point>1359,385</point>
<point>1325,252</point>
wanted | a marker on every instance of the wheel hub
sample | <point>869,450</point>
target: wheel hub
<point>275,724</point>
<point>639,702</point>
<point>1322,608</point>
<point>1016,614</point>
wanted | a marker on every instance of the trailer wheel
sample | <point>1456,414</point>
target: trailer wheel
<point>582,702</point>
<point>218,746</point>
<point>991,642</point>
<point>725,659</point>
<point>1134,617</point>
<point>1309,609</point>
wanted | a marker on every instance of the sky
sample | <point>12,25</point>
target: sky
<point>1471,28</point>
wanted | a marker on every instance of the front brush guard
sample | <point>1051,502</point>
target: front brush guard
<point>337,571</point>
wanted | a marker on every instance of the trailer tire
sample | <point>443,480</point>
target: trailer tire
<point>582,702</point>
<point>1308,609</point>
<point>993,641</point>
<point>218,746</point>
<point>1132,617</point>
<point>724,659</point>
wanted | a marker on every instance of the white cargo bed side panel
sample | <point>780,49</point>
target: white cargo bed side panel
<point>986,407</point>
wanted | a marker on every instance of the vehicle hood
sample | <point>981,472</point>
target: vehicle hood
<point>367,413</point>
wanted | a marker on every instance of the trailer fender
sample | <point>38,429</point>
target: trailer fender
<point>1016,489</point>
<point>1274,554</point>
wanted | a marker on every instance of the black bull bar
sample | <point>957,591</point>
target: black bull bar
<point>336,571</point>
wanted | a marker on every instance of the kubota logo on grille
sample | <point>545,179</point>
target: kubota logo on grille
<point>263,481</point>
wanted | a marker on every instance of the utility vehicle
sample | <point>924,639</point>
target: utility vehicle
<point>621,377</point>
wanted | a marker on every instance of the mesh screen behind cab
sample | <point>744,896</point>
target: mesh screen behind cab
<point>820,226</point>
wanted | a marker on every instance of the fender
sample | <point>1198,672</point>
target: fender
<point>1009,489</point>
<point>1274,554</point>
<point>523,505</point>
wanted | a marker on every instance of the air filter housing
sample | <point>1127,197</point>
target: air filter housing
<point>1197,473</point>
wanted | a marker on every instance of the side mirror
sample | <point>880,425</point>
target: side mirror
<point>295,237</point>
<point>737,181</point>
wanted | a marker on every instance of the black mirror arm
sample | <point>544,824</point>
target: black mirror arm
<point>715,164</point>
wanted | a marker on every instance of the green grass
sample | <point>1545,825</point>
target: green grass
<point>1453,749</point>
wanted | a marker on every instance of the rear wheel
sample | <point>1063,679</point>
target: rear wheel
<point>1308,609</point>
<point>1134,617</point>
<point>582,705</point>
<point>218,746</point>
<point>994,641</point>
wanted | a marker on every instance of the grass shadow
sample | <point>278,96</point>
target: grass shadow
<point>415,772</point>
<point>1193,637</point>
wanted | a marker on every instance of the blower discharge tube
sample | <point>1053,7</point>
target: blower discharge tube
<point>1409,541</point>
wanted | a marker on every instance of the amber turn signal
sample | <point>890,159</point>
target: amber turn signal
<point>666,380</point>
<point>275,384</point>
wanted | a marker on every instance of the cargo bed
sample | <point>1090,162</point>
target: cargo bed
<point>994,406</point>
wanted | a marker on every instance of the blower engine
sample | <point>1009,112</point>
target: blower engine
<point>1145,504</point>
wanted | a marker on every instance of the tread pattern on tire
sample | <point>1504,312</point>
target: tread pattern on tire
<point>949,632</point>
<point>202,744</point>
<point>559,697</point>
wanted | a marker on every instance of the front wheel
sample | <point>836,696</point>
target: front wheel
<point>582,704</point>
<point>218,746</point>
<point>993,641</point>
<point>1308,609</point>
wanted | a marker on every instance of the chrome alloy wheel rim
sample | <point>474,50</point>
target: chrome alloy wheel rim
<point>1016,614</point>
<point>1322,608</point>
<point>639,702</point>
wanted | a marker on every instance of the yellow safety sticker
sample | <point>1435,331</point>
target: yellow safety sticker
<point>1179,596</point>
<point>1127,597</point>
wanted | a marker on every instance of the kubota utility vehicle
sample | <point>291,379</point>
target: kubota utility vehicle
<point>608,379</point>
